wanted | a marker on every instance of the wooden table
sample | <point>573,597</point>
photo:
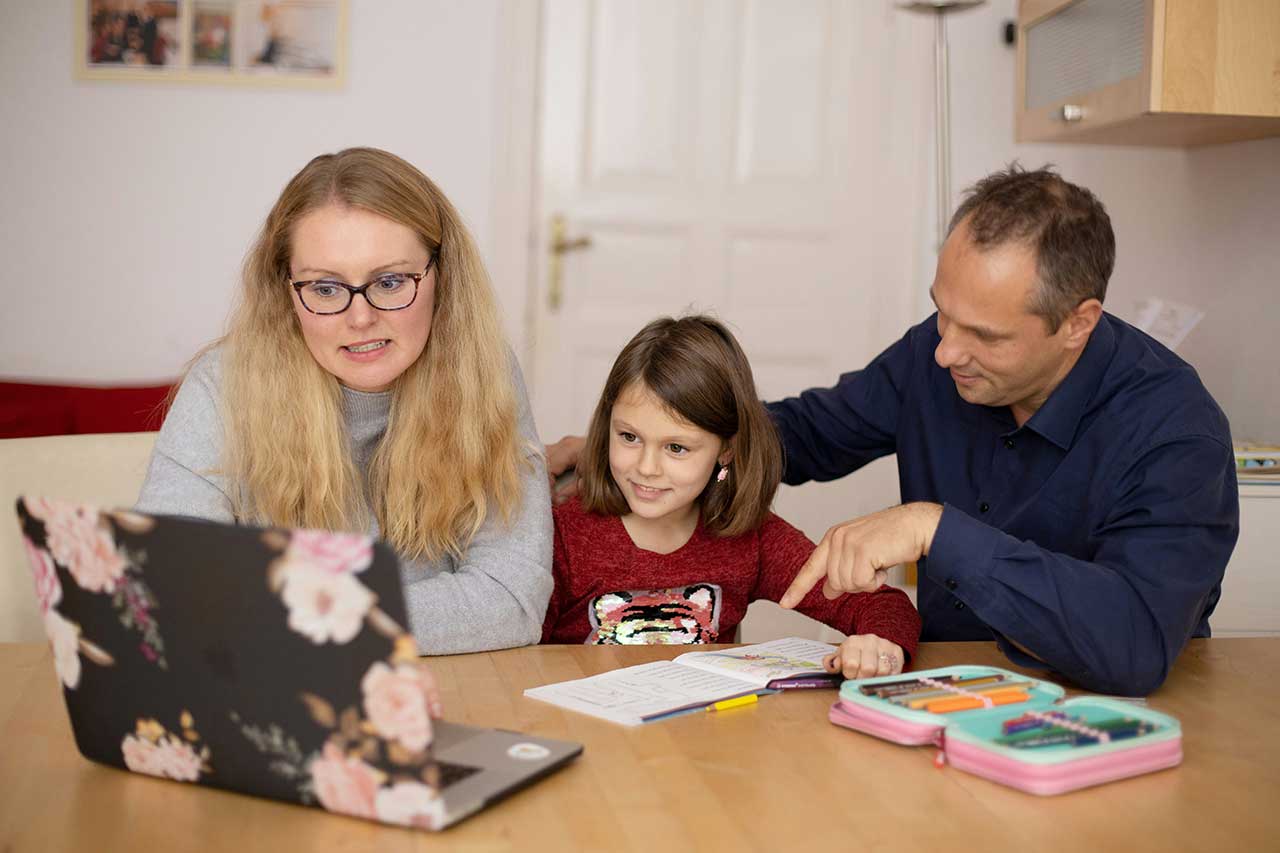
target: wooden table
<point>774,776</point>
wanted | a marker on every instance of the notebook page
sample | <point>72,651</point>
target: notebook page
<point>763,662</point>
<point>631,695</point>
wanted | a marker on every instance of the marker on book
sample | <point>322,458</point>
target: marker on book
<point>749,699</point>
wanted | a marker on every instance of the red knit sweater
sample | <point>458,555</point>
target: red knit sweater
<point>609,590</point>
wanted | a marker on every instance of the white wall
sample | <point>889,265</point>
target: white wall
<point>1198,225</point>
<point>1234,252</point>
<point>129,206</point>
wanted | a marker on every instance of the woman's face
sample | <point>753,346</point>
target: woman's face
<point>365,348</point>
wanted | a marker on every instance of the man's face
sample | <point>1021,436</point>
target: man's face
<point>997,351</point>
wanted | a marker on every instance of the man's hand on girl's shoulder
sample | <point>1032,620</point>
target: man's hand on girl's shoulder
<point>562,458</point>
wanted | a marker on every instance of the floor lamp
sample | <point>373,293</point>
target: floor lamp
<point>942,121</point>
<point>941,98</point>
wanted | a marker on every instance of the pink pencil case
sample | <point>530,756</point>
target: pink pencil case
<point>1011,728</point>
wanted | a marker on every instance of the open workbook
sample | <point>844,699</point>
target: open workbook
<point>694,680</point>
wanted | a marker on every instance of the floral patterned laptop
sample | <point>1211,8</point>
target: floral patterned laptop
<point>271,662</point>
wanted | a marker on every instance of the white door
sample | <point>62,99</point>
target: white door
<point>763,161</point>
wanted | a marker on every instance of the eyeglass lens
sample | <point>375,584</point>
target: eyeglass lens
<point>388,292</point>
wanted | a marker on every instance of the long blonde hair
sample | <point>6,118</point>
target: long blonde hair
<point>452,451</point>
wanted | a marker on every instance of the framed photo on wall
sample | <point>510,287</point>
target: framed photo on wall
<point>255,42</point>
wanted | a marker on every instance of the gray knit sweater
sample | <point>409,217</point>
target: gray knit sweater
<point>494,597</point>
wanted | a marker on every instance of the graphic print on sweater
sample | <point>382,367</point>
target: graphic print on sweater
<point>678,616</point>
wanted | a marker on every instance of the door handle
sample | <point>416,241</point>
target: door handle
<point>560,244</point>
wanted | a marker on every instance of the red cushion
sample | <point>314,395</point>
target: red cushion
<point>29,409</point>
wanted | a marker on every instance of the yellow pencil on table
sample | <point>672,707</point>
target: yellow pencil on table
<point>749,699</point>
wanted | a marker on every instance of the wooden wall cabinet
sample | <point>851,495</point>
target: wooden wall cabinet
<point>1148,72</point>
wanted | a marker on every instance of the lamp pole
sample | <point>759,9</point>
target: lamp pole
<point>941,100</point>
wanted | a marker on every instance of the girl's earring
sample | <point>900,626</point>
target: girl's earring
<point>724,472</point>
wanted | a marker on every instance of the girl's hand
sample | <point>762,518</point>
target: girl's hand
<point>865,655</point>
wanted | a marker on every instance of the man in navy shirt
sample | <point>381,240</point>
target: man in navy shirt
<point>1068,484</point>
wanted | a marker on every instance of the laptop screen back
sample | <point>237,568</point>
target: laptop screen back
<point>272,662</point>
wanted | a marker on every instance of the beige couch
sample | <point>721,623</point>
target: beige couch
<point>105,470</point>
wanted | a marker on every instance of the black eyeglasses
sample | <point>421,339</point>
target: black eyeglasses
<point>388,292</point>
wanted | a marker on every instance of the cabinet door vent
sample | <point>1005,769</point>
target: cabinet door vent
<point>1086,46</point>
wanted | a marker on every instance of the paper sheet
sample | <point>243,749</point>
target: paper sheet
<point>1166,321</point>
<point>630,695</point>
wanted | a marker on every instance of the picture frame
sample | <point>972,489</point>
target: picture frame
<point>288,43</point>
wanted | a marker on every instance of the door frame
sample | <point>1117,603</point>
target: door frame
<point>514,199</point>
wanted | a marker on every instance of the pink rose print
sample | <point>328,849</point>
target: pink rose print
<point>316,579</point>
<point>396,704</point>
<point>410,804</point>
<point>48,587</point>
<point>79,542</point>
<point>140,755</point>
<point>64,637</point>
<point>168,758</point>
<point>324,606</point>
<point>176,760</point>
<point>41,508</point>
<point>335,553</point>
<point>344,784</point>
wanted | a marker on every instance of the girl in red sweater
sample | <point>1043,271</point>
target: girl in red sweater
<point>671,536</point>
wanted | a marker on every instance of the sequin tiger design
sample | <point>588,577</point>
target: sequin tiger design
<point>679,616</point>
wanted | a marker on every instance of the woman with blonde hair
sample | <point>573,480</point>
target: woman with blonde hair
<point>365,385</point>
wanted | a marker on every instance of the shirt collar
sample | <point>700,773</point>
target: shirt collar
<point>1060,415</point>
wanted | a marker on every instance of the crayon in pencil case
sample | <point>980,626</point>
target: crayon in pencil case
<point>919,700</point>
<point>888,689</point>
<point>1079,739</point>
<point>967,685</point>
<point>1034,721</point>
<point>968,703</point>
<point>907,685</point>
<point>1107,725</point>
<point>1027,726</point>
<point>895,689</point>
<point>1115,728</point>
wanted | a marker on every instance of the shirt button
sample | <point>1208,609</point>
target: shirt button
<point>951,583</point>
<point>1008,442</point>
<point>984,507</point>
<point>959,605</point>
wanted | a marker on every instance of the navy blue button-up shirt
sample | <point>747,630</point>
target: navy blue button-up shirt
<point>1096,535</point>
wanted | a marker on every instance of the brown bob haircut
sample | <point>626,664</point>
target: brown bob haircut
<point>696,368</point>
